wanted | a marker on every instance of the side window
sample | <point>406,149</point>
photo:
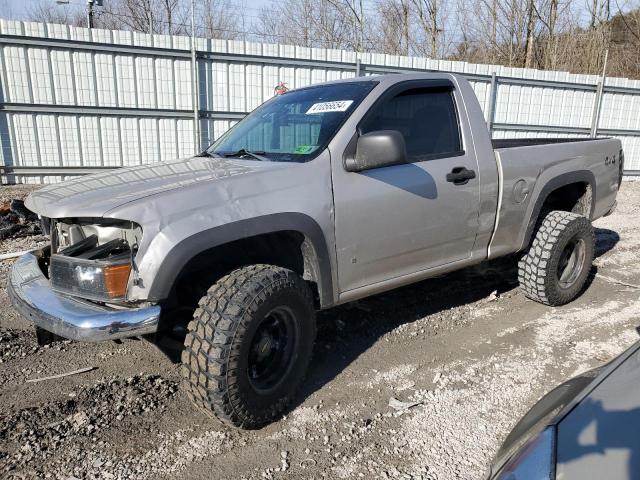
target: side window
<point>427,119</point>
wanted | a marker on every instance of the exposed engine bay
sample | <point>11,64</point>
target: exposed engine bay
<point>93,258</point>
<point>68,232</point>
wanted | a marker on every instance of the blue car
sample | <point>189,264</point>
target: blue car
<point>587,428</point>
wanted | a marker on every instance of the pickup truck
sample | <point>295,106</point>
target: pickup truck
<point>323,195</point>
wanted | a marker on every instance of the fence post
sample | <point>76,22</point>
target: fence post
<point>493,93</point>
<point>358,67</point>
<point>6,155</point>
<point>195,85</point>
<point>597,103</point>
<point>595,119</point>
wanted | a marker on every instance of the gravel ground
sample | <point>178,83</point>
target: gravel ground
<point>22,243</point>
<point>467,349</point>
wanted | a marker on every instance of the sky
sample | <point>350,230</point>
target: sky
<point>17,9</point>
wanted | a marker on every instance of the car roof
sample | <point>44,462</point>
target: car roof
<point>386,79</point>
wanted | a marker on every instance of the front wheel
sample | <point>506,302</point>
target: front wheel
<point>249,345</point>
<point>555,268</point>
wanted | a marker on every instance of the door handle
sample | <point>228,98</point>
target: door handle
<point>460,175</point>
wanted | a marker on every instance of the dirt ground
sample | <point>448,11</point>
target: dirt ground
<point>473,360</point>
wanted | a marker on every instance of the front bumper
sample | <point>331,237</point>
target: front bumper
<point>71,317</point>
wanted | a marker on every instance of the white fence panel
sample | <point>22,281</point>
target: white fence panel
<point>86,99</point>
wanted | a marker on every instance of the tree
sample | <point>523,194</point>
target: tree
<point>308,23</point>
<point>570,35</point>
<point>220,19</point>
<point>531,25</point>
<point>352,11</point>
<point>63,14</point>
<point>394,17</point>
<point>429,15</point>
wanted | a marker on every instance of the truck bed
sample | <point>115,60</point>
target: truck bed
<point>525,172</point>
<point>527,142</point>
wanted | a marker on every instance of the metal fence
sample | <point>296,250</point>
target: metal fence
<point>74,100</point>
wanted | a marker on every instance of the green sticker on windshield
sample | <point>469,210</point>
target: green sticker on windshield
<point>303,149</point>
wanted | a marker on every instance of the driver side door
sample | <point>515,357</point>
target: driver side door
<point>398,220</point>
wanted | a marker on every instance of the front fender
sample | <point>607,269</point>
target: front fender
<point>181,253</point>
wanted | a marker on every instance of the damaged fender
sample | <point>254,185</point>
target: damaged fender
<point>314,250</point>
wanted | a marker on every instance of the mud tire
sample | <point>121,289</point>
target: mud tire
<point>563,240</point>
<point>221,343</point>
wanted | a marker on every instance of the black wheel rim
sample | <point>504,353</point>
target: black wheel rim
<point>271,350</point>
<point>571,263</point>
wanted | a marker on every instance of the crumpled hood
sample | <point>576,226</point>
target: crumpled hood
<point>95,195</point>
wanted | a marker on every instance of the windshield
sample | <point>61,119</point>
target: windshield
<point>295,126</point>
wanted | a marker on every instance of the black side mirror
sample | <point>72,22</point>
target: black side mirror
<point>381,148</point>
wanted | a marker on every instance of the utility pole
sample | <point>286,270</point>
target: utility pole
<point>90,5</point>
<point>90,13</point>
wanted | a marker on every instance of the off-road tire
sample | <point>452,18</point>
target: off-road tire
<point>217,346</point>
<point>538,268</point>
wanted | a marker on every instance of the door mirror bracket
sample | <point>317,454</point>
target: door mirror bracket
<point>381,148</point>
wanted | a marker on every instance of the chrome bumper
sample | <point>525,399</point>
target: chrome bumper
<point>70,317</point>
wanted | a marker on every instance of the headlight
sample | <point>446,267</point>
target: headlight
<point>101,280</point>
<point>93,260</point>
<point>534,461</point>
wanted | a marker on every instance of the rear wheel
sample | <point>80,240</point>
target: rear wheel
<point>249,345</point>
<point>555,268</point>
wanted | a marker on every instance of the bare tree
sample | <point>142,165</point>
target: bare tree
<point>40,11</point>
<point>217,18</point>
<point>307,23</point>
<point>411,27</point>
<point>220,19</point>
<point>297,27</point>
<point>570,35</point>
<point>551,25</point>
<point>352,11</point>
<point>429,15</point>
<point>531,25</point>
<point>393,17</point>
<point>146,16</point>
<point>170,7</point>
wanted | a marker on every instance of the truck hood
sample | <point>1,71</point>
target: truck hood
<point>95,195</point>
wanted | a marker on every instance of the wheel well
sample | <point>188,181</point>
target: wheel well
<point>574,197</point>
<point>288,249</point>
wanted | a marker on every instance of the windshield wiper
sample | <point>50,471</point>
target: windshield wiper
<point>207,153</point>
<point>246,153</point>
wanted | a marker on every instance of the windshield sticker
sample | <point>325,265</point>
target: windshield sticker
<point>302,149</point>
<point>335,106</point>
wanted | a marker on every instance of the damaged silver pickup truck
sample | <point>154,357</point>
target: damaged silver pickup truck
<point>321,196</point>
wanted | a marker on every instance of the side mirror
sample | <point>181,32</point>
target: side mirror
<point>381,148</point>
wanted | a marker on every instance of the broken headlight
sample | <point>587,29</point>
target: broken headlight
<point>101,280</point>
<point>91,267</point>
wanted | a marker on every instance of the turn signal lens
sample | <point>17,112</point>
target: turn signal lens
<point>89,279</point>
<point>116,278</point>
